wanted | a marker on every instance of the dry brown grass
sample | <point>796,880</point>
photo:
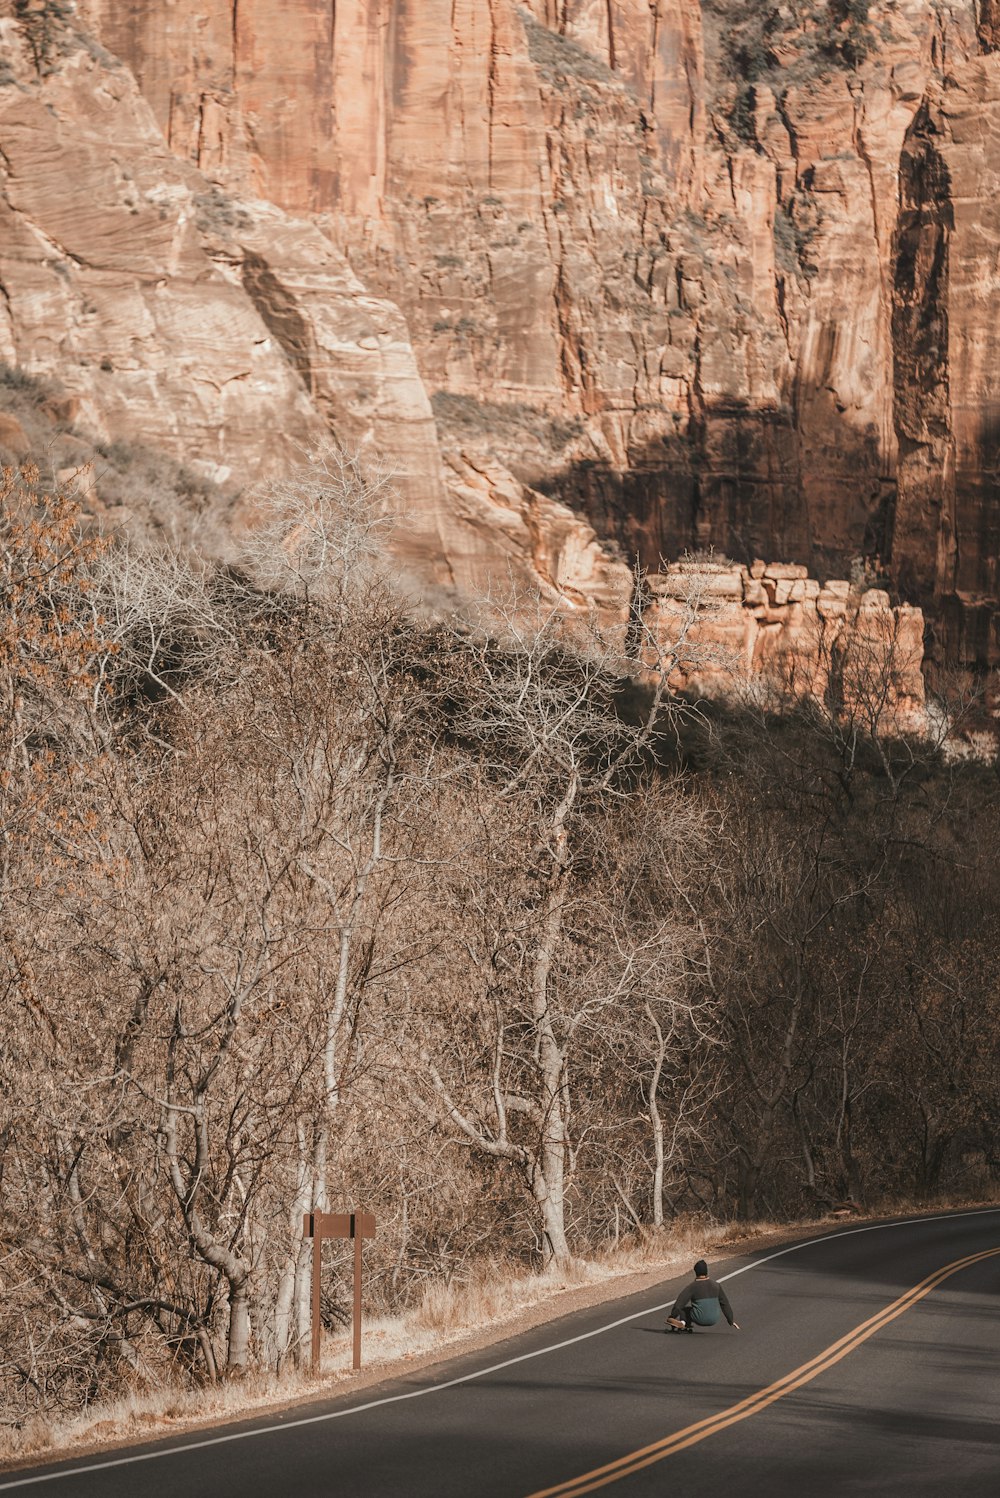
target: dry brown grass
<point>497,1294</point>
<point>145,1415</point>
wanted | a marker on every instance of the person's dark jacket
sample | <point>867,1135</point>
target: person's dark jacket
<point>706,1299</point>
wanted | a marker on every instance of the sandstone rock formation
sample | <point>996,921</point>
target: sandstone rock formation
<point>699,273</point>
<point>772,632</point>
<point>218,331</point>
<point>946,541</point>
<point>107,284</point>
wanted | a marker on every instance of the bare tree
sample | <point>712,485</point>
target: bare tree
<point>555,963</point>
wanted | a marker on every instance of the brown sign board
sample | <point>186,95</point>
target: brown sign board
<point>320,1225</point>
<point>338,1225</point>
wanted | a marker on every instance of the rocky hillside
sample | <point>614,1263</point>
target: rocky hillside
<point>666,274</point>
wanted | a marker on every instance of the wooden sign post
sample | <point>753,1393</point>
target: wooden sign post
<point>320,1225</point>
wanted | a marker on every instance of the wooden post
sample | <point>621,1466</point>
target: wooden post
<point>357,1293</point>
<point>317,1277</point>
<point>320,1225</point>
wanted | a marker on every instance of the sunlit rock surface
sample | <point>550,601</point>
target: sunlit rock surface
<point>769,631</point>
<point>731,269</point>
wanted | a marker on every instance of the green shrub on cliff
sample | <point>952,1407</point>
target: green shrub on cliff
<point>780,45</point>
<point>46,27</point>
<point>560,60</point>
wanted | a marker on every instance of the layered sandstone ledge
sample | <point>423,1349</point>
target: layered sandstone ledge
<point>771,632</point>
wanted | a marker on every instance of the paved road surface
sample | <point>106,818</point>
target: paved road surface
<point>846,1379</point>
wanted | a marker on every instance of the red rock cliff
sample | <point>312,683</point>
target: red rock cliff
<point>701,271</point>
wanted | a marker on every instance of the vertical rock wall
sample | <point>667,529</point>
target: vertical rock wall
<point>659,240</point>
<point>947,334</point>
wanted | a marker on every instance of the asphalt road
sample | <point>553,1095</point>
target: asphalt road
<point>859,1369</point>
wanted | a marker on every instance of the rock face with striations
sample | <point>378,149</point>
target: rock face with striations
<point>947,526</point>
<point>773,632</point>
<point>693,273</point>
<point>106,282</point>
<point>220,331</point>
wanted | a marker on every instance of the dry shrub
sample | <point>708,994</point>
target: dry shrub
<point>489,1293</point>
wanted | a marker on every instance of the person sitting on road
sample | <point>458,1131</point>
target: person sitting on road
<point>701,1303</point>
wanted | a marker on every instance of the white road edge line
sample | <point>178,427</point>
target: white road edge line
<point>465,1378</point>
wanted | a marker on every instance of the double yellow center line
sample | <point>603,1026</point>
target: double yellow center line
<point>601,1477</point>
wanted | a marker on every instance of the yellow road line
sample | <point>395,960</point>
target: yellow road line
<point>601,1477</point>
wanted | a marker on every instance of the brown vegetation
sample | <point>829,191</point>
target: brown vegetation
<point>307,903</point>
